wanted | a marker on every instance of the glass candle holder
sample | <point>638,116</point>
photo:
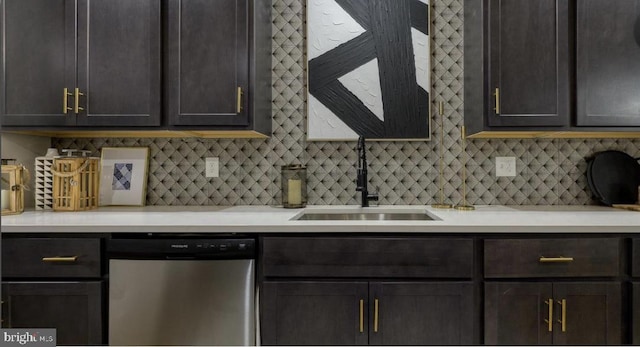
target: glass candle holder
<point>294,186</point>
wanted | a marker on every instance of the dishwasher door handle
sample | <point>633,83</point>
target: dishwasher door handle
<point>180,257</point>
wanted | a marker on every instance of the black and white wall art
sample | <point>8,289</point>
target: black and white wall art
<point>368,69</point>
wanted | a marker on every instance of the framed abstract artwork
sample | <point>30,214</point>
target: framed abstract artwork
<point>368,65</point>
<point>123,175</point>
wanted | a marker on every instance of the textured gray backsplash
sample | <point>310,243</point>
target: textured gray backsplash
<point>548,171</point>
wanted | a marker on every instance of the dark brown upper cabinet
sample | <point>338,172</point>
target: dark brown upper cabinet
<point>552,66</point>
<point>219,65</point>
<point>517,69</point>
<point>71,63</point>
<point>528,64</point>
<point>608,63</point>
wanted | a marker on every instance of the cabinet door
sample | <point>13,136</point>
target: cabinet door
<point>74,309</point>
<point>608,63</point>
<point>517,313</point>
<point>636,313</point>
<point>119,62</point>
<point>592,314</point>
<point>635,262</point>
<point>421,313</point>
<point>314,313</point>
<point>208,64</point>
<point>529,54</point>
<point>38,61</point>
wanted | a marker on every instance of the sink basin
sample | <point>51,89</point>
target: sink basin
<point>365,216</point>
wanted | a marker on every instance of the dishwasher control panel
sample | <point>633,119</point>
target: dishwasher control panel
<point>182,248</point>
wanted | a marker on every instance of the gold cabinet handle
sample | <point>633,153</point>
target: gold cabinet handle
<point>559,259</point>
<point>77,107</point>
<point>65,101</point>
<point>549,320</point>
<point>239,108</point>
<point>361,315</point>
<point>60,259</point>
<point>375,315</point>
<point>497,95</point>
<point>563,315</point>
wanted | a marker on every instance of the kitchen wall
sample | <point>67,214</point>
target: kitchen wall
<point>549,171</point>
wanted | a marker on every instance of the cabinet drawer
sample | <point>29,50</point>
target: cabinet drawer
<point>51,257</point>
<point>367,257</point>
<point>635,262</point>
<point>552,257</point>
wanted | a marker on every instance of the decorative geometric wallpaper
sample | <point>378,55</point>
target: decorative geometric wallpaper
<point>549,171</point>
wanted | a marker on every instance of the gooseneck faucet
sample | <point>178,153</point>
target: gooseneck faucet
<point>361,180</point>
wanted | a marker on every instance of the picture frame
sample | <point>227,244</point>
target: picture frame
<point>123,176</point>
<point>369,70</point>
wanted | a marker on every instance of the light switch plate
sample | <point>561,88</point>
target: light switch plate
<point>212,167</point>
<point>505,166</point>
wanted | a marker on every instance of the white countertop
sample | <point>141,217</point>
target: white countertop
<point>272,219</point>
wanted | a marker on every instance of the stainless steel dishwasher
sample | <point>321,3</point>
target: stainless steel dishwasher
<point>181,290</point>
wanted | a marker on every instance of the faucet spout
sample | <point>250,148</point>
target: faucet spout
<point>361,179</point>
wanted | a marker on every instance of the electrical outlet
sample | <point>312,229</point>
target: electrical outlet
<point>505,166</point>
<point>212,167</point>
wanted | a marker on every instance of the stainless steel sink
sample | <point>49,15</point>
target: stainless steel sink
<point>365,216</point>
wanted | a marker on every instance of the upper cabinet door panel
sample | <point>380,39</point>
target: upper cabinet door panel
<point>608,63</point>
<point>528,63</point>
<point>39,39</point>
<point>208,62</point>
<point>119,62</point>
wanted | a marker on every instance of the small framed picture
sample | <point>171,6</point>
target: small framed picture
<point>123,176</point>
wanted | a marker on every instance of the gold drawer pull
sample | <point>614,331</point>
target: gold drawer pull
<point>60,259</point>
<point>65,100</point>
<point>239,99</point>
<point>375,315</point>
<point>559,259</point>
<point>550,320</point>
<point>563,317</point>
<point>77,107</point>
<point>361,315</point>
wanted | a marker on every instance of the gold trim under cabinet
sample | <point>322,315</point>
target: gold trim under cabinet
<point>206,134</point>
<point>555,135</point>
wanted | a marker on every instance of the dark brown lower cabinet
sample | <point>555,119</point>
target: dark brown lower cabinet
<point>74,309</point>
<point>314,313</point>
<point>422,313</point>
<point>361,313</point>
<point>559,313</point>
<point>513,313</point>
<point>636,313</point>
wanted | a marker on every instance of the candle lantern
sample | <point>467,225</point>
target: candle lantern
<point>14,178</point>
<point>75,181</point>
<point>294,186</point>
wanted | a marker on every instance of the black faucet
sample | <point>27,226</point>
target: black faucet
<point>361,180</point>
